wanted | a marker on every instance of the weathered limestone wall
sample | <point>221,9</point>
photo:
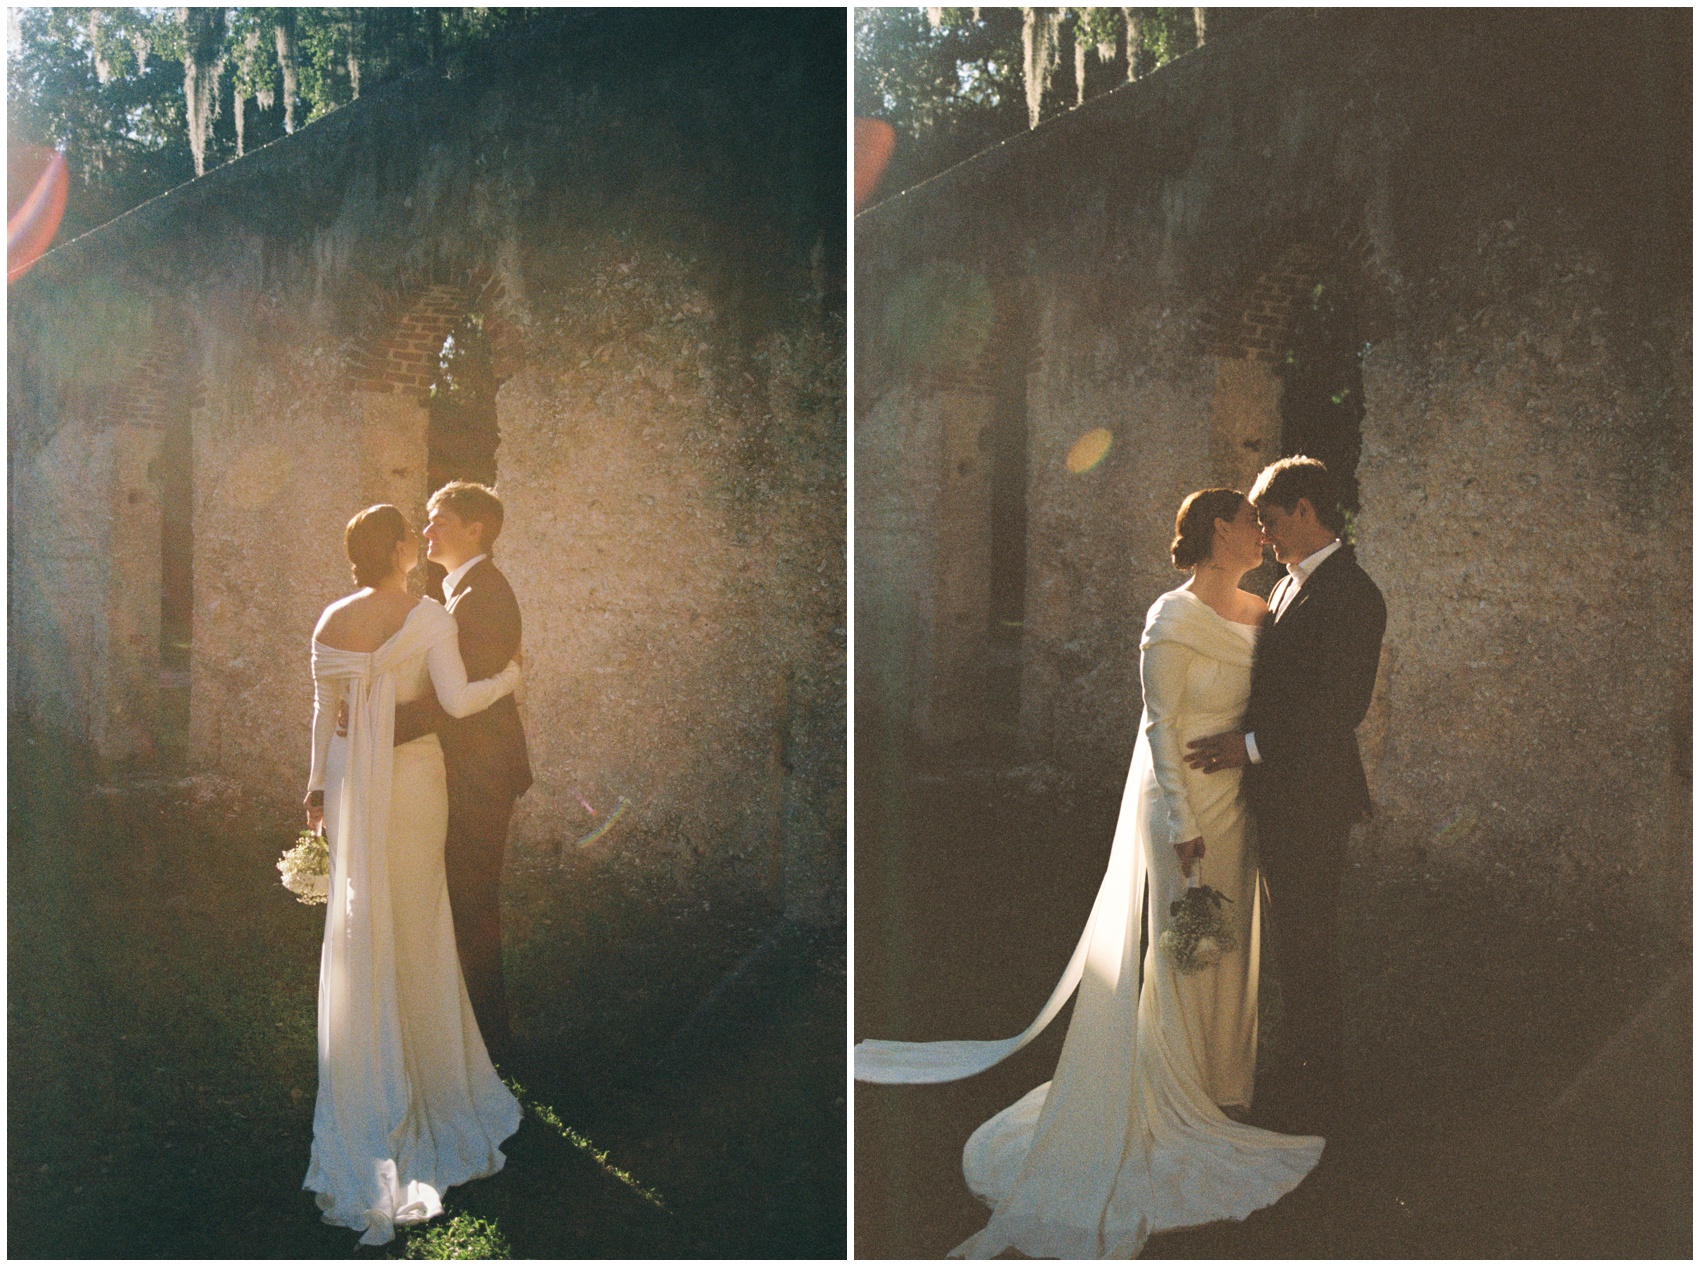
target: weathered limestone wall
<point>1525,481</point>
<point>1088,582</point>
<point>663,290</point>
<point>1512,224</point>
<point>59,588</point>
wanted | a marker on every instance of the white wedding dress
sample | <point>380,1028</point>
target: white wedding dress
<point>409,1104</point>
<point>1127,1138</point>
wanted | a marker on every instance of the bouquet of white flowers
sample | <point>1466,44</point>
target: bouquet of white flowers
<point>1199,933</point>
<point>306,869</point>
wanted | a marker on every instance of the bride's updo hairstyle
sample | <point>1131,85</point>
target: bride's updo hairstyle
<point>370,540</point>
<point>1195,525</point>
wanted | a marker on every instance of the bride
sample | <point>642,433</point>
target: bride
<point>1128,1137</point>
<point>409,1104</point>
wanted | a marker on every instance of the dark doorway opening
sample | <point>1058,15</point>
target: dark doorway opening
<point>1322,387</point>
<point>462,437</point>
<point>177,583</point>
<point>1007,441</point>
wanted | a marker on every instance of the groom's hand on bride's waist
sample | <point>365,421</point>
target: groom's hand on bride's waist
<point>1226,751</point>
<point>413,719</point>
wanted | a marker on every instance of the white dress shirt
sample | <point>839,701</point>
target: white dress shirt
<point>453,578</point>
<point>1300,572</point>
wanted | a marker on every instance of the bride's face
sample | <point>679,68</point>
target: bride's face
<point>1240,541</point>
<point>407,553</point>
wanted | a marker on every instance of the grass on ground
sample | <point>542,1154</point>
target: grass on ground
<point>163,1055</point>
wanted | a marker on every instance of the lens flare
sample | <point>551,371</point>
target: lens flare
<point>874,143</point>
<point>31,225</point>
<point>1089,450</point>
<point>1457,826</point>
<point>601,831</point>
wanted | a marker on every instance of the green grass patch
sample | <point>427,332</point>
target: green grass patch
<point>459,1237</point>
<point>163,1060</point>
<point>548,1116</point>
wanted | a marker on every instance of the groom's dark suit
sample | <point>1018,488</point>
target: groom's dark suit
<point>488,769</point>
<point>1311,683</point>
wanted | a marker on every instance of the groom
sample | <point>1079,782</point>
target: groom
<point>485,754</point>
<point>1304,781</point>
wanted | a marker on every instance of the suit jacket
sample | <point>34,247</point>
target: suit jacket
<point>1311,683</point>
<point>486,750</point>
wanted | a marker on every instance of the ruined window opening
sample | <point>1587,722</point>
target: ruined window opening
<point>177,583</point>
<point>1007,442</point>
<point>1322,387</point>
<point>462,436</point>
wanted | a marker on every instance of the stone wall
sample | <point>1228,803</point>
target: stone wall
<point>1502,199</point>
<point>654,239</point>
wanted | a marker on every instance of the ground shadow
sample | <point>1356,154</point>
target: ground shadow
<point>1522,1084</point>
<point>162,1050</point>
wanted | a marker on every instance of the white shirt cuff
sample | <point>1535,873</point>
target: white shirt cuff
<point>1251,748</point>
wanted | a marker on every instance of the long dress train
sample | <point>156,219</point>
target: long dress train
<point>408,1102</point>
<point>1127,1138</point>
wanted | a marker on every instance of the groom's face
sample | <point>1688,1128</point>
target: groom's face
<point>1284,530</point>
<point>452,540</point>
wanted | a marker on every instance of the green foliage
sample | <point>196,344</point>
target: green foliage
<point>461,1237</point>
<point>1164,34</point>
<point>949,91</point>
<point>106,86</point>
<point>1199,903</point>
<point>127,133</point>
<point>917,76</point>
<point>1321,405</point>
<point>953,82</point>
<point>543,1113</point>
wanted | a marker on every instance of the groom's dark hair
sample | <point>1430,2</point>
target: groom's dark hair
<point>474,503</point>
<point>1282,483</point>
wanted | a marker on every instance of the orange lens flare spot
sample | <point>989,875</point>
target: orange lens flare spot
<point>34,219</point>
<point>1089,450</point>
<point>874,143</point>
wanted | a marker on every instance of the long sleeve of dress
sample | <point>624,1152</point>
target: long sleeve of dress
<point>459,697</point>
<point>327,694</point>
<point>1162,673</point>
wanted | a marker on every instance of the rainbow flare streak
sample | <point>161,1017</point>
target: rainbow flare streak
<point>612,818</point>
<point>1457,826</point>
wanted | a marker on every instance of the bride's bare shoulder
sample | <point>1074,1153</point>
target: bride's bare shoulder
<point>1251,608</point>
<point>334,620</point>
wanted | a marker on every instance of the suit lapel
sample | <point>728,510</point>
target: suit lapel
<point>465,582</point>
<point>1320,580</point>
<point>1299,599</point>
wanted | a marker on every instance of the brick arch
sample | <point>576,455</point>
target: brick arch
<point>153,373</point>
<point>398,352</point>
<point>1254,322</point>
<point>1252,319</point>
